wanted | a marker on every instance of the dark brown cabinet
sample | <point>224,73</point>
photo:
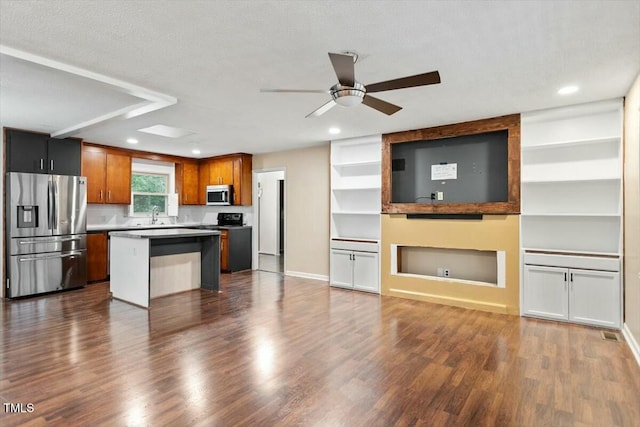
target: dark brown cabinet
<point>108,176</point>
<point>97,247</point>
<point>38,153</point>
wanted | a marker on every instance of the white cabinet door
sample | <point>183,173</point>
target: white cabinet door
<point>341,268</point>
<point>365,271</point>
<point>594,297</point>
<point>545,292</point>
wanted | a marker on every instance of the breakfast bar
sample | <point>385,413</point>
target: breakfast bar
<point>131,252</point>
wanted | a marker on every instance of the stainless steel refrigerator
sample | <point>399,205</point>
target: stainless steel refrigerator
<point>46,224</point>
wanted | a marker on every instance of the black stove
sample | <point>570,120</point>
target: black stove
<point>233,219</point>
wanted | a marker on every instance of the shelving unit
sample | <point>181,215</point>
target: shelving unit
<point>571,188</point>
<point>355,213</point>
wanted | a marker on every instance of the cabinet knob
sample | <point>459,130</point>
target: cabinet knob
<point>51,164</point>
<point>41,164</point>
<point>100,194</point>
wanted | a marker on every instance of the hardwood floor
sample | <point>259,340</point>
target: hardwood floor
<point>282,351</point>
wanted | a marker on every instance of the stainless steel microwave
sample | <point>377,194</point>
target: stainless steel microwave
<point>219,195</point>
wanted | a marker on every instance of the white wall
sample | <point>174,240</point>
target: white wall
<point>2,236</point>
<point>307,194</point>
<point>269,209</point>
<point>632,218</point>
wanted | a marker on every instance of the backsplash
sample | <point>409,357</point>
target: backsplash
<point>119,215</point>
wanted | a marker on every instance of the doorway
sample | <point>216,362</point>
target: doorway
<point>270,220</point>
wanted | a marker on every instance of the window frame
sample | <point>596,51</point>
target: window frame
<point>154,168</point>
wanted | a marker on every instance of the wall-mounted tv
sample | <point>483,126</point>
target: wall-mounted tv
<point>472,167</point>
<point>459,169</point>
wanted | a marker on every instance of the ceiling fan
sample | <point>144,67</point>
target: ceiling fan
<point>349,92</point>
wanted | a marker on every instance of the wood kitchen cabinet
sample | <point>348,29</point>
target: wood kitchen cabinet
<point>108,175</point>
<point>97,247</point>
<point>203,181</point>
<point>224,250</point>
<point>221,171</point>
<point>187,176</point>
<point>234,169</point>
<point>38,153</point>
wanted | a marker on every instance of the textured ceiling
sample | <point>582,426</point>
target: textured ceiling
<point>494,58</point>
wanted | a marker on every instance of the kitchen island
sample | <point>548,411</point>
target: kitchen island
<point>131,252</point>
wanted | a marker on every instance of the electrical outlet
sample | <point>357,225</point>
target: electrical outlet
<point>445,272</point>
<point>440,195</point>
<point>440,272</point>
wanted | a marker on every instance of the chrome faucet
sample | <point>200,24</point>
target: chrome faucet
<point>154,215</point>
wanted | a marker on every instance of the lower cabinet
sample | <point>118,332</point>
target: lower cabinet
<point>97,247</point>
<point>579,295</point>
<point>235,249</point>
<point>355,265</point>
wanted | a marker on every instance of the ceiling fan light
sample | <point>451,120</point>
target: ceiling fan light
<point>348,96</point>
<point>349,100</point>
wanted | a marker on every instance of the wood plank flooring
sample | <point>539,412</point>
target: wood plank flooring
<point>281,351</point>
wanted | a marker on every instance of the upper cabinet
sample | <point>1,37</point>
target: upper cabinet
<point>234,169</point>
<point>108,175</point>
<point>221,171</point>
<point>37,153</point>
<point>187,175</point>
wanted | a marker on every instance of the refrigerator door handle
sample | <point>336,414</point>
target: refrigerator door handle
<point>62,239</point>
<point>55,204</point>
<point>50,206</point>
<point>68,255</point>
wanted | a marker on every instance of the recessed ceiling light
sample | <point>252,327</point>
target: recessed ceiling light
<point>195,151</point>
<point>567,90</point>
<point>334,131</point>
<point>132,140</point>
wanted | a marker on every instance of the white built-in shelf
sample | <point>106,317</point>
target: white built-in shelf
<point>355,188</point>
<point>355,239</point>
<point>571,143</point>
<point>356,213</point>
<point>360,188</point>
<point>572,252</point>
<point>585,179</point>
<point>551,214</point>
<point>571,204</point>
<point>357,164</point>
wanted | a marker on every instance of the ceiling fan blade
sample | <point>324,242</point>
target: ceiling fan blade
<point>295,90</point>
<point>344,67</point>
<point>323,109</point>
<point>380,105</point>
<point>430,78</point>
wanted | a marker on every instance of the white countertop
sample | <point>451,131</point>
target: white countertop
<point>163,233</point>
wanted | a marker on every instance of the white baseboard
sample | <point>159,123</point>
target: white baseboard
<point>307,275</point>
<point>633,344</point>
